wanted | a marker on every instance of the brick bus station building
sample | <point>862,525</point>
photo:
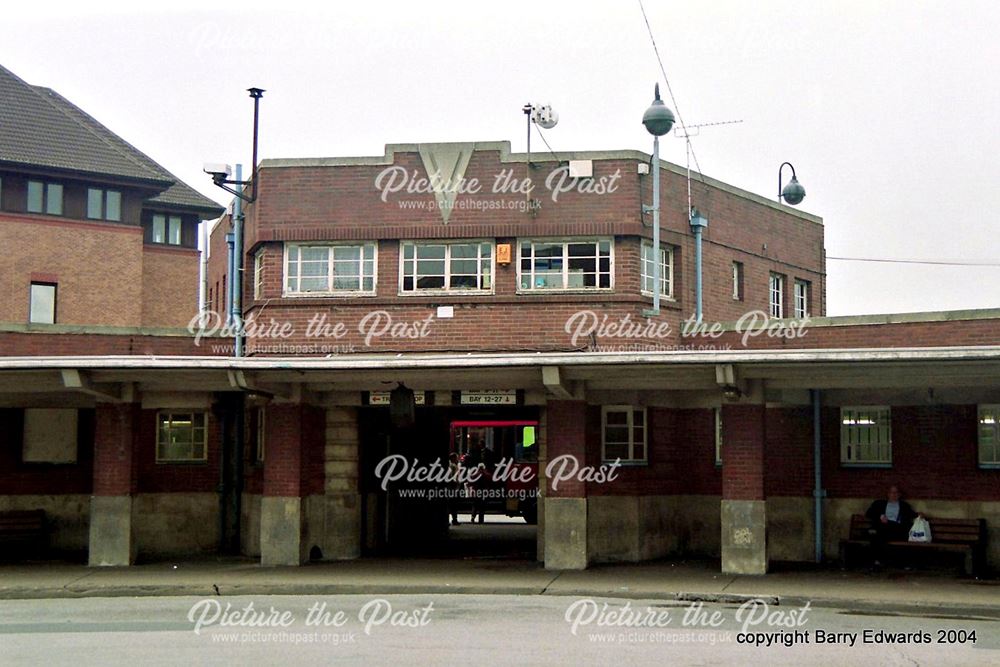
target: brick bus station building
<point>141,436</point>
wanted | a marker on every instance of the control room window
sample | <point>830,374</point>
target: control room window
<point>989,436</point>
<point>666,270</point>
<point>330,269</point>
<point>565,265</point>
<point>45,198</point>
<point>104,204</point>
<point>866,435</point>
<point>42,304</point>
<point>181,437</point>
<point>623,433</point>
<point>447,267</point>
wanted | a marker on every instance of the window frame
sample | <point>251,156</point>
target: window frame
<point>258,274</point>
<point>55,300</point>
<point>994,410</point>
<point>104,197</point>
<point>718,436</point>
<point>666,269</point>
<point>630,411</point>
<point>448,244</point>
<point>167,219</point>
<point>776,287</point>
<point>331,291</point>
<point>46,205</point>
<point>204,428</point>
<point>737,281</point>
<point>803,312</point>
<point>849,461</point>
<point>566,242</point>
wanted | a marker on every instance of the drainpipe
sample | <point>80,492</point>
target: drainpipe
<point>203,304</point>
<point>229,276</point>
<point>236,272</point>
<point>818,492</point>
<point>698,224</point>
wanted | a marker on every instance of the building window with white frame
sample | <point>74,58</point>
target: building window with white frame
<point>866,435</point>
<point>42,303</point>
<point>181,437</point>
<point>737,281</point>
<point>989,436</point>
<point>258,274</point>
<point>330,269</point>
<point>623,433</point>
<point>666,270</point>
<point>565,265</point>
<point>777,295</point>
<point>801,299</point>
<point>446,267</point>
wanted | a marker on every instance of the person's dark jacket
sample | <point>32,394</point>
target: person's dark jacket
<point>877,509</point>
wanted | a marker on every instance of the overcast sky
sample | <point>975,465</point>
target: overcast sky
<point>887,109</point>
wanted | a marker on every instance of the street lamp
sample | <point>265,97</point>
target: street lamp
<point>658,120</point>
<point>220,177</point>
<point>793,193</point>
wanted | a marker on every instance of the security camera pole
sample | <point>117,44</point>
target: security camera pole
<point>658,120</point>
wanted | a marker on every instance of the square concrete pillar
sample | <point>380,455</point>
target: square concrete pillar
<point>566,534</point>
<point>281,531</point>
<point>743,509</point>
<point>744,536</point>
<point>112,538</point>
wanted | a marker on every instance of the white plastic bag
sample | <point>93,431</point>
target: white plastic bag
<point>920,531</point>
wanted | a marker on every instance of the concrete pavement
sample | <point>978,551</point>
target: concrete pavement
<point>923,592</point>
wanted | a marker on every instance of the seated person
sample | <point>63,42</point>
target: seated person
<point>891,520</point>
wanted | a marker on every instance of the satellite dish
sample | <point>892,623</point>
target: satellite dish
<point>544,116</point>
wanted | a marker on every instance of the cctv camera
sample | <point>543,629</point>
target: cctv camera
<point>218,171</point>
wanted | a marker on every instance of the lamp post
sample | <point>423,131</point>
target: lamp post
<point>698,224</point>
<point>793,193</point>
<point>220,177</point>
<point>658,120</point>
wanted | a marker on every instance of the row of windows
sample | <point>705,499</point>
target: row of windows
<point>583,264</point>
<point>865,435</point>
<point>47,197</point>
<point>776,296</point>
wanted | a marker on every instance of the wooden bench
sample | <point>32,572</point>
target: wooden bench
<point>962,536</point>
<point>24,527</point>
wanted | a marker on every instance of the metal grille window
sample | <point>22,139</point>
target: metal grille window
<point>447,267</point>
<point>866,435</point>
<point>777,292</point>
<point>666,270</point>
<point>989,436</point>
<point>330,269</point>
<point>568,265</point>
<point>623,433</point>
<point>801,298</point>
<point>181,436</point>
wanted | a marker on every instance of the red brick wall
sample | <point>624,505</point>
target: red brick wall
<point>295,451</point>
<point>567,429</point>
<point>743,443</point>
<point>153,477</point>
<point>169,286</point>
<point>17,477</point>
<point>116,436</point>
<point>18,344</point>
<point>934,451</point>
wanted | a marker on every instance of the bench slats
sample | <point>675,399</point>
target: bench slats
<point>951,535</point>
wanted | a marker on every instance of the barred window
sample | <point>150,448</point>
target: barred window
<point>181,436</point>
<point>866,435</point>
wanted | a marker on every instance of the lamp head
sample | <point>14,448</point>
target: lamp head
<point>658,119</point>
<point>793,193</point>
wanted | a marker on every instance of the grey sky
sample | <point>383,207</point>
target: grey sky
<point>887,109</point>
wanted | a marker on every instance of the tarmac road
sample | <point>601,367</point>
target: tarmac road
<point>473,630</point>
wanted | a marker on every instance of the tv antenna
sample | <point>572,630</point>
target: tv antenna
<point>688,131</point>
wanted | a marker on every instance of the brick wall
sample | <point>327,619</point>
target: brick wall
<point>567,428</point>
<point>17,477</point>
<point>169,286</point>
<point>23,344</point>
<point>743,443</point>
<point>116,437</point>
<point>295,455</point>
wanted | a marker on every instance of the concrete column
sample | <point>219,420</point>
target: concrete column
<point>565,522</point>
<point>112,538</point>
<point>342,502</point>
<point>281,510</point>
<point>744,512</point>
